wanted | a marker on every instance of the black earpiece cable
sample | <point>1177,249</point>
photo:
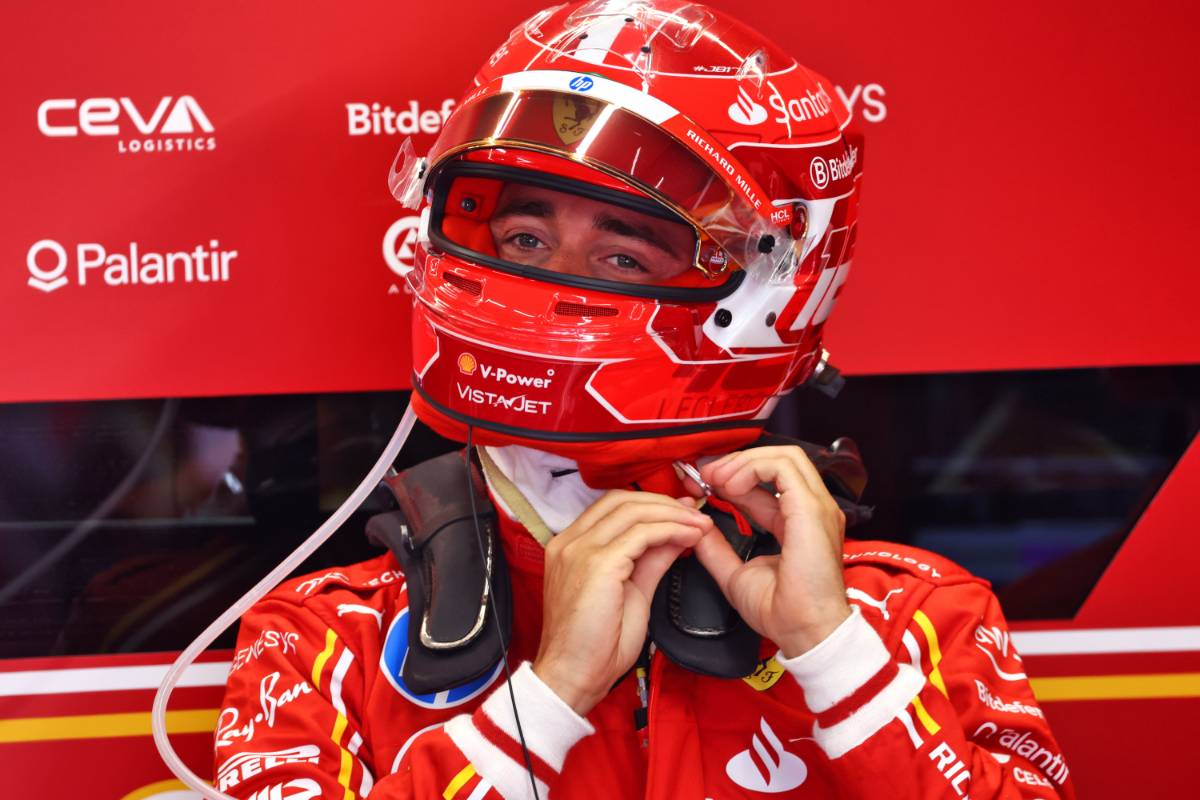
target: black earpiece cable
<point>512,697</point>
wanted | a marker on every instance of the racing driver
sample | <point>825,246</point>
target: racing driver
<point>633,228</point>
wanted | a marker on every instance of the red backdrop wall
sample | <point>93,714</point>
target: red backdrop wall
<point>1029,204</point>
<point>1028,199</point>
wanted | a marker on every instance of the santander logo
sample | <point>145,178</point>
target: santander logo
<point>766,766</point>
<point>745,111</point>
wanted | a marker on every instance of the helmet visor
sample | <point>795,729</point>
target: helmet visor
<point>643,155</point>
<point>568,231</point>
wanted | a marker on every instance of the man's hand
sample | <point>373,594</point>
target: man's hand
<point>601,574</point>
<point>797,598</point>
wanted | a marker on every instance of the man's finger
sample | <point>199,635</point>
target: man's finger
<point>628,515</point>
<point>793,455</point>
<point>592,513</point>
<point>740,477</point>
<point>717,556</point>
<point>633,543</point>
<point>812,475</point>
<point>651,567</point>
<point>610,503</point>
<point>761,506</point>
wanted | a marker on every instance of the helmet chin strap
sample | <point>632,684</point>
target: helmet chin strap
<point>611,464</point>
<point>234,612</point>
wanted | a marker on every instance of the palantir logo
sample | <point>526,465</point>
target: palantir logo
<point>745,111</point>
<point>399,244</point>
<point>766,766</point>
<point>47,280</point>
<point>134,264</point>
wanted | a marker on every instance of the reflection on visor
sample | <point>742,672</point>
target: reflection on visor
<point>566,231</point>
<point>586,128</point>
<point>619,143</point>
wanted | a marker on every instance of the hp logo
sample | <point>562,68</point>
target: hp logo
<point>581,83</point>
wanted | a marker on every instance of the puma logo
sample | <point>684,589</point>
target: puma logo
<point>863,597</point>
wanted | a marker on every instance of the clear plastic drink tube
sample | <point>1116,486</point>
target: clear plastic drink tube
<point>158,716</point>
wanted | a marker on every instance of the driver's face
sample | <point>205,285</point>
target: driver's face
<point>576,236</point>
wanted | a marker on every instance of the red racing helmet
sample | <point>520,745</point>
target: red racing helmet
<point>688,134</point>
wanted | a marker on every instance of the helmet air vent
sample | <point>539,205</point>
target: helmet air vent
<point>580,310</point>
<point>466,284</point>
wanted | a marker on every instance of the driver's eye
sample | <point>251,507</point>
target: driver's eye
<point>629,263</point>
<point>526,240</point>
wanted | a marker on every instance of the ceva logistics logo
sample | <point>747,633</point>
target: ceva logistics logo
<point>172,125</point>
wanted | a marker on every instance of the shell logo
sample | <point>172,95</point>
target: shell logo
<point>467,364</point>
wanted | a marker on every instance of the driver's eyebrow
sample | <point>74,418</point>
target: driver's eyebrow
<point>633,230</point>
<point>525,208</point>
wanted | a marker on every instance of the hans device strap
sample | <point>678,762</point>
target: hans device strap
<point>452,638</point>
<point>692,622</point>
<point>840,466</point>
<point>454,641</point>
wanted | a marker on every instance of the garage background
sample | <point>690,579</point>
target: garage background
<point>1019,331</point>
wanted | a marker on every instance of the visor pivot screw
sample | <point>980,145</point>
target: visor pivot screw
<point>629,19</point>
<point>645,48</point>
<point>766,243</point>
<point>723,317</point>
<point>468,204</point>
<point>771,319</point>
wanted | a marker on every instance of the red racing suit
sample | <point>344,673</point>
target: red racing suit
<point>918,694</point>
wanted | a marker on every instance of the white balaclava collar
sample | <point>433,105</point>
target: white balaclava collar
<point>547,485</point>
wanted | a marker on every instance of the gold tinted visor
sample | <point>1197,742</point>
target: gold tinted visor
<point>625,146</point>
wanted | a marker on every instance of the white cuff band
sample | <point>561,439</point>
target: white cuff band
<point>551,726</point>
<point>839,665</point>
